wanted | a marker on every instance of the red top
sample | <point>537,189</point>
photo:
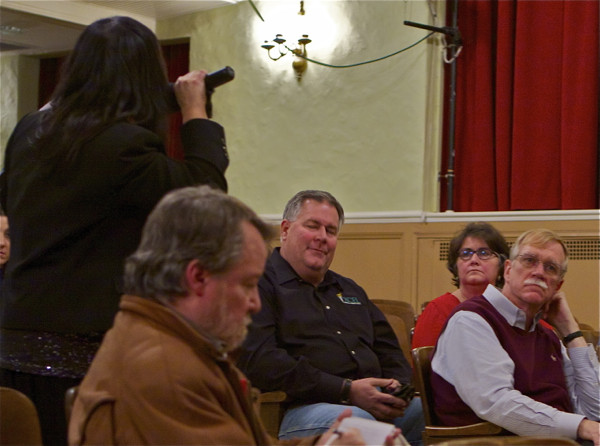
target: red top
<point>431,321</point>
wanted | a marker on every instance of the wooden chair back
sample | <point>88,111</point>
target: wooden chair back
<point>422,366</point>
<point>19,421</point>
<point>591,337</point>
<point>403,310</point>
<point>399,328</point>
<point>434,432</point>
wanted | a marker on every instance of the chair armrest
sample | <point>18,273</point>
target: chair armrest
<point>272,408</point>
<point>273,397</point>
<point>484,428</point>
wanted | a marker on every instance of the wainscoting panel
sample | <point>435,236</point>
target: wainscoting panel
<point>407,261</point>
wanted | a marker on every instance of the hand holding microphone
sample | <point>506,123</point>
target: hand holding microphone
<point>189,95</point>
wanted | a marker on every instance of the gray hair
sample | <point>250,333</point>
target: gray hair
<point>188,224</point>
<point>293,207</point>
<point>539,238</point>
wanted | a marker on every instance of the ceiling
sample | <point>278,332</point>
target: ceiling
<point>24,33</point>
<point>28,33</point>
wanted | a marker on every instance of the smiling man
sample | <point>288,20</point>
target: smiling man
<point>495,362</point>
<point>318,336</point>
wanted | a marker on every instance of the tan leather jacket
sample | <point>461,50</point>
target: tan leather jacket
<point>157,380</point>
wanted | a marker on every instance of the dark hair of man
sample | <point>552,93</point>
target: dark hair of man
<point>187,224</point>
<point>488,234</point>
<point>116,73</point>
<point>293,207</point>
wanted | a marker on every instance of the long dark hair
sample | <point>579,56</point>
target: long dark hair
<point>116,73</point>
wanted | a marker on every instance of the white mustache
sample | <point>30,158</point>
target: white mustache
<point>537,282</point>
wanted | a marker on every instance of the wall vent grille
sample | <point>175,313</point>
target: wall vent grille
<point>583,249</point>
<point>579,249</point>
<point>444,248</point>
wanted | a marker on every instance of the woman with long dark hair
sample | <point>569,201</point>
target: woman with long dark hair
<point>80,178</point>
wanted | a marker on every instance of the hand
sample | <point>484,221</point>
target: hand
<point>191,95</point>
<point>349,437</point>
<point>390,440</point>
<point>589,430</point>
<point>382,406</point>
<point>557,312</point>
<point>395,385</point>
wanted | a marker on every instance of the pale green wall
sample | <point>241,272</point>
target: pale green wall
<point>369,134</point>
<point>19,81</point>
<point>9,73</point>
<point>359,133</point>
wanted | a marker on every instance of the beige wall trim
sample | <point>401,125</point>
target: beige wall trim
<point>448,217</point>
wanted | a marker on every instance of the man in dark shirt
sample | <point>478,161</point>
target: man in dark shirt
<point>318,336</point>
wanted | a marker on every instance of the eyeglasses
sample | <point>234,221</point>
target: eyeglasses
<point>482,253</point>
<point>531,261</point>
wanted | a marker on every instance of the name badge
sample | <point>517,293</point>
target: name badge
<point>349,300</point>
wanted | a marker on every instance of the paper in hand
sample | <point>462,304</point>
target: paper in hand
<point>373,432</point>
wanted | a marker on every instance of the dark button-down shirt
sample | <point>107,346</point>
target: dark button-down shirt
<point>306,340</point>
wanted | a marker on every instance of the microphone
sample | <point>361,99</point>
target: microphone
<point>219,77</point>
<point>211,81</point>
<point>450,32</point>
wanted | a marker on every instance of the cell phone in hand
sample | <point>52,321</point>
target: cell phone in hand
<point>405,392</point>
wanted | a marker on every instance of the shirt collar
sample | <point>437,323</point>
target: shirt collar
<point>509,311</point>
<point>285,273</point>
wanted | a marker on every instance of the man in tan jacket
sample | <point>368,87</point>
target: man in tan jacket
<point>163,374</point>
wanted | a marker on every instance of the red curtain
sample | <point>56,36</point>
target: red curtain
<point>526,106</point>
<point>49,75</point>
<point>177,59</point>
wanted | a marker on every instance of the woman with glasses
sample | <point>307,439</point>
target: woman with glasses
<point>475,259</point>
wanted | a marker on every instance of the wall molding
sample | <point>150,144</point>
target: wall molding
<point>441,217</point>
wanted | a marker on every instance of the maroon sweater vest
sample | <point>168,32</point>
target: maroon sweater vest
<point>538,370</point>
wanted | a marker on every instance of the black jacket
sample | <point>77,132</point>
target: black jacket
<point>73,224</point>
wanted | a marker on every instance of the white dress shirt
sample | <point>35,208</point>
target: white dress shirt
<point>470,357</point>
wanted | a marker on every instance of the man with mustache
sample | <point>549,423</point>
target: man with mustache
<point>163,375</point>
<point>318,336</point>
<point>495,362</point>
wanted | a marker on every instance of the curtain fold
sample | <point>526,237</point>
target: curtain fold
<point>177,58</point>
<point>527,105</point>
<point>49,75</point>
